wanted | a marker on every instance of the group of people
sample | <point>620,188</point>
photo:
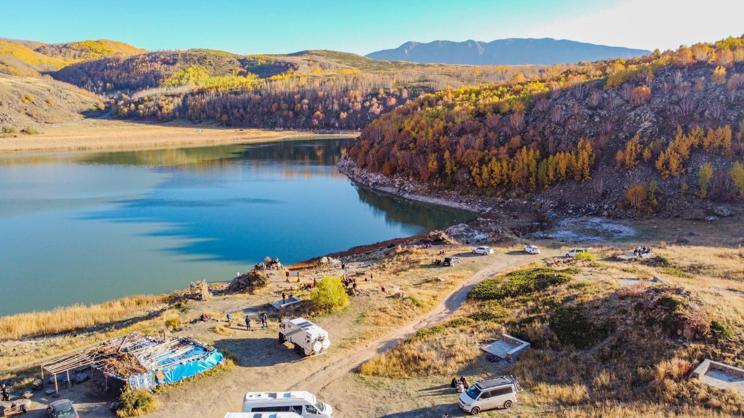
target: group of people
<point>349,283</point>
<point>461,384</point>
<point>639,251</point>
<point>263,318</point>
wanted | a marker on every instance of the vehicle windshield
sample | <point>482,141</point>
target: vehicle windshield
<point>65,412</point>
<point>473,392</point>
<point>320,405</point>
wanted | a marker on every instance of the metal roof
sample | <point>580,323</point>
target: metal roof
<point>499,381</point>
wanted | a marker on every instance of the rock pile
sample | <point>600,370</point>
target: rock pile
<point>254,279</point>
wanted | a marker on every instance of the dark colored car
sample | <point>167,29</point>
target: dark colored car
<point>62,408</point>
<point>450,261</point>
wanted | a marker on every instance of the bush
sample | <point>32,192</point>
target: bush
<point>330,295</point>
<point>519,283</point>
<point>572,327</point>
<point>173,323</point>
<point>586,256</point>
<point>30,131</point>
<point>721,330</point>
<point>135,403</point>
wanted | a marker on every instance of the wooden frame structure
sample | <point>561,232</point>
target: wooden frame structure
<point>125,357</point>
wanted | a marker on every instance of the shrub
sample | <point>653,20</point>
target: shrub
<point>330,295</point>
<point>29,131</point>
<point>135,403</point>
<point>586,256</point>
<point>173,323</point>
<point>519,283</point>
<point>721,330</point>
<point>8,130</point>
<point>572,327</point>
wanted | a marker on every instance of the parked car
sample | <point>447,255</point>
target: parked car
<point>301,403</point>
<point>62,408</point>
<point>573,252</point>
<point>483,250</point>
<point>262,415</point>
<point>489,394</point>
<point>531,249</point>
<point>450,261</point>
<point>308,338</point>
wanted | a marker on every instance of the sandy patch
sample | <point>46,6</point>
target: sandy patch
<point>107,134</point>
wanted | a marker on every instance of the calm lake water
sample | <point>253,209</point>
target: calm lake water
<point>88,227</point>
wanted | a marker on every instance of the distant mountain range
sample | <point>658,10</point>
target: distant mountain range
<point>511,51</point>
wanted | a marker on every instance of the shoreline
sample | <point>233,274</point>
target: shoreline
<point>406,190</point>
<point>122,135</point>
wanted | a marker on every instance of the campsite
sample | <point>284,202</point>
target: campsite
<point>401,298</point>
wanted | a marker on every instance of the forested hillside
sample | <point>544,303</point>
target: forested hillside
<point>621,134</point>
<point>320,90</point>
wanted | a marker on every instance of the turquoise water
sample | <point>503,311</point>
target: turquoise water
<point>88,227</point>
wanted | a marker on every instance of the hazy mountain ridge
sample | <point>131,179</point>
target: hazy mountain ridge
<point>512,51</point>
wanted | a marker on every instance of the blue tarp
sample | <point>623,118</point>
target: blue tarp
<point>193,362</point>
<point>179,372</point>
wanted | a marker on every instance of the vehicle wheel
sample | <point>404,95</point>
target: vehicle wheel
<point>475,411</point>
<point>507,404</point>
<point>282,339</point>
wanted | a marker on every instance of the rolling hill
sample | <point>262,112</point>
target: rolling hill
<point>31,58</point>
<point>512,51</point>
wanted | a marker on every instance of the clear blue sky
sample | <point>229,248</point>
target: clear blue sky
<point>361,26</point>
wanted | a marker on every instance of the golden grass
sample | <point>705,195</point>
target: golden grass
<point>75,317</point>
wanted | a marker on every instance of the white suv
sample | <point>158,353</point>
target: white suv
<point>500,392</point>
<point>483,250</point>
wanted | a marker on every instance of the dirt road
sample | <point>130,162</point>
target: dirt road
<point>264,367</point>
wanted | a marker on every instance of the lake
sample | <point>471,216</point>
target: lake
<point>88,227</point>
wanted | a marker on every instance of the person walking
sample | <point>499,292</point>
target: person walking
<point>248,322</point>
<point>264,320</point>
<point>284,298</point>
<point>229,319</point>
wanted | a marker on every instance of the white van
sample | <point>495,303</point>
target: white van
<point>308,338</point>
<point>573,252</point>
<point>489,394</point>
<point>483,250</point>
<point>301,403</point>
<point>262,415</point>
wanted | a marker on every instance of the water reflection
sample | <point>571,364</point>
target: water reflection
<point>94,226</point>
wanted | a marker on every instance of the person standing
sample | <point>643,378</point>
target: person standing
<point>229,319</point>
<point>248,322</point>
<point>6,395</point>
<point>264,320</point>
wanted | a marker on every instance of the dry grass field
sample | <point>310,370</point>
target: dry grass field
<point>617,338</point>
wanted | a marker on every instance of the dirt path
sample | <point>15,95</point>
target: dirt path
<point>320,379</point>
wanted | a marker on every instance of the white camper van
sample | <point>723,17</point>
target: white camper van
<point>489,394</point>
<point>308,338</point>
<point>301,403</point>
<point>262,415</point>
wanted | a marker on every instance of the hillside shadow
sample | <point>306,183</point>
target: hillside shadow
<point>429,412</point>
<point>257,352</point>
